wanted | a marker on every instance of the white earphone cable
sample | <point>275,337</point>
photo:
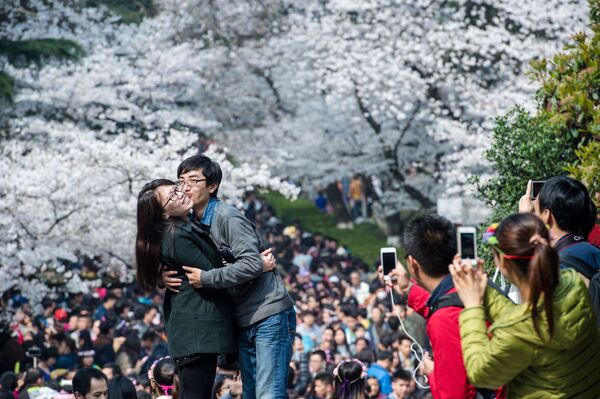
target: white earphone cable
<point>412,346</point>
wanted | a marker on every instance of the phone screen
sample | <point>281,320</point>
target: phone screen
<point>536,187</point>
<point>389,262</point>
<point>467,245</point>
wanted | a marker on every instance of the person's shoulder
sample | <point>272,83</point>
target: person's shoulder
<point>586,252</point>
<point>444,320</point>
<point>227,211</point>
<point>177,229</point>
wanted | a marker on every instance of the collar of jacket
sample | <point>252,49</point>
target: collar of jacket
<point>207,217</point>
<point>443,287</point>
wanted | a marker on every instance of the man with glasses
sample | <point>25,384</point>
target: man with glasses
<point>262,306</point>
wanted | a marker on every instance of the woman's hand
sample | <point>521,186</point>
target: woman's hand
<point>194,276</point>
<point>268,260</point>
<point>469,283</point>
<point>170,282</point>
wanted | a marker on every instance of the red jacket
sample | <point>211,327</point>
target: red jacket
<point>449,378</point>
<point>594,237</point>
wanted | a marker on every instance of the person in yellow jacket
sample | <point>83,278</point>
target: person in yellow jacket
<point>547,347</point>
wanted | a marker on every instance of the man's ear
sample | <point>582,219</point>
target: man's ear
<point>213,187</point>
<point>414,268</point>
<point>547,217</point>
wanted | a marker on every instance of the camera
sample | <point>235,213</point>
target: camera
<point>33,352</point>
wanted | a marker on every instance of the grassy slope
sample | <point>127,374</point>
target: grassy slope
<point>364,240</point>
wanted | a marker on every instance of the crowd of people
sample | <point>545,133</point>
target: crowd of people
<point>444,333</point>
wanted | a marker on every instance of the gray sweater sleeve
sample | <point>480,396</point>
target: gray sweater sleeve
<point>238,234</point>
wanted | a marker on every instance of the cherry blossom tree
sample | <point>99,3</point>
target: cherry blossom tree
<point>400,90</point>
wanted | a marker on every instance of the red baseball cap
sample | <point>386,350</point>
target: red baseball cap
<point>60,314</point>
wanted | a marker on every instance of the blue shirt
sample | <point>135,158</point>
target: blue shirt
<point>383,376</point>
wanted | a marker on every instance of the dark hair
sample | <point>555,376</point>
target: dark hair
<point>401,374</point>
<point>47,353</point>
<point>320,353</point>
<point>366,356</point>
<point>385,355</point>
<point>150,228</point>
<point>431,241</point>
<point>210,169</point>
<point>149,335</point>
<point>164,372</point>
<point>9,381</point>
<point>324,376</point>
<point>82,380</point>
<point>349,382</point>
<point>116,370</point>
<point>121,387</point>
<point>394,323</point>
<point>32,376</point>
<point>569,202</point>
<point>540,272</point>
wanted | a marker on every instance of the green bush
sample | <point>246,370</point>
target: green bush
<point>38,50</point>
<point>130,11</point>
<point>563,137</point>
<point>364,240</point>
<point>524,147</point>
<point>7,90</point>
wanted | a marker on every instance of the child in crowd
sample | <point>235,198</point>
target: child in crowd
<point>163,379</point>
<point>349,380</point>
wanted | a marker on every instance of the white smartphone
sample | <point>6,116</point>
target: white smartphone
<point>388,259</point>
<point>467,244</point>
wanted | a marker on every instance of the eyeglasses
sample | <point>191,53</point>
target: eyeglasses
<point>177,188</point>
<point>191,182</point>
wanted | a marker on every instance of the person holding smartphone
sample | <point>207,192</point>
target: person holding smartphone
<point>430,244</point>
<point>546,347</point>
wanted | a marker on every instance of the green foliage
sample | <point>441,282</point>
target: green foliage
<point>37,50</point>
<point>525,147</point>
<point>563,137</point>
<point>364,240</point>
<point>594,11</point>
<point>587,169</point>
<point>570,91</point>
<point>130,11</point>
<point>7,91</point>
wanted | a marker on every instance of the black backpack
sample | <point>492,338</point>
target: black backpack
<point>583,268</point>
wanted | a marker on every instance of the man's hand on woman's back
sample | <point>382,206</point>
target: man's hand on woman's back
<point>173,283</point>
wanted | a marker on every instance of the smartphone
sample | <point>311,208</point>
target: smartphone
<point>388,259</point>
<point>536,187</point>
<point>467,244</point>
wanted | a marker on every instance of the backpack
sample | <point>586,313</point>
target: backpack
<point>583,268</point>
<point>452,299</point>
<point>591,274</point>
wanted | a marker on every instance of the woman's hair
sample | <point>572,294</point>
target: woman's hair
<point>121,387</point>
<point>150,227</point>
<point>525,236</point>
<point>163,377</point>
<point>350,378</point>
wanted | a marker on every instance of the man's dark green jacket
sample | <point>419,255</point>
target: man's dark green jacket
<point>197,320</point>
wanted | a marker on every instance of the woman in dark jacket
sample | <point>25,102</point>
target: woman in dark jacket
<point>199,322</point>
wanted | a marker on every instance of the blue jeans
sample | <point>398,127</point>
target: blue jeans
<point>265,354</point>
